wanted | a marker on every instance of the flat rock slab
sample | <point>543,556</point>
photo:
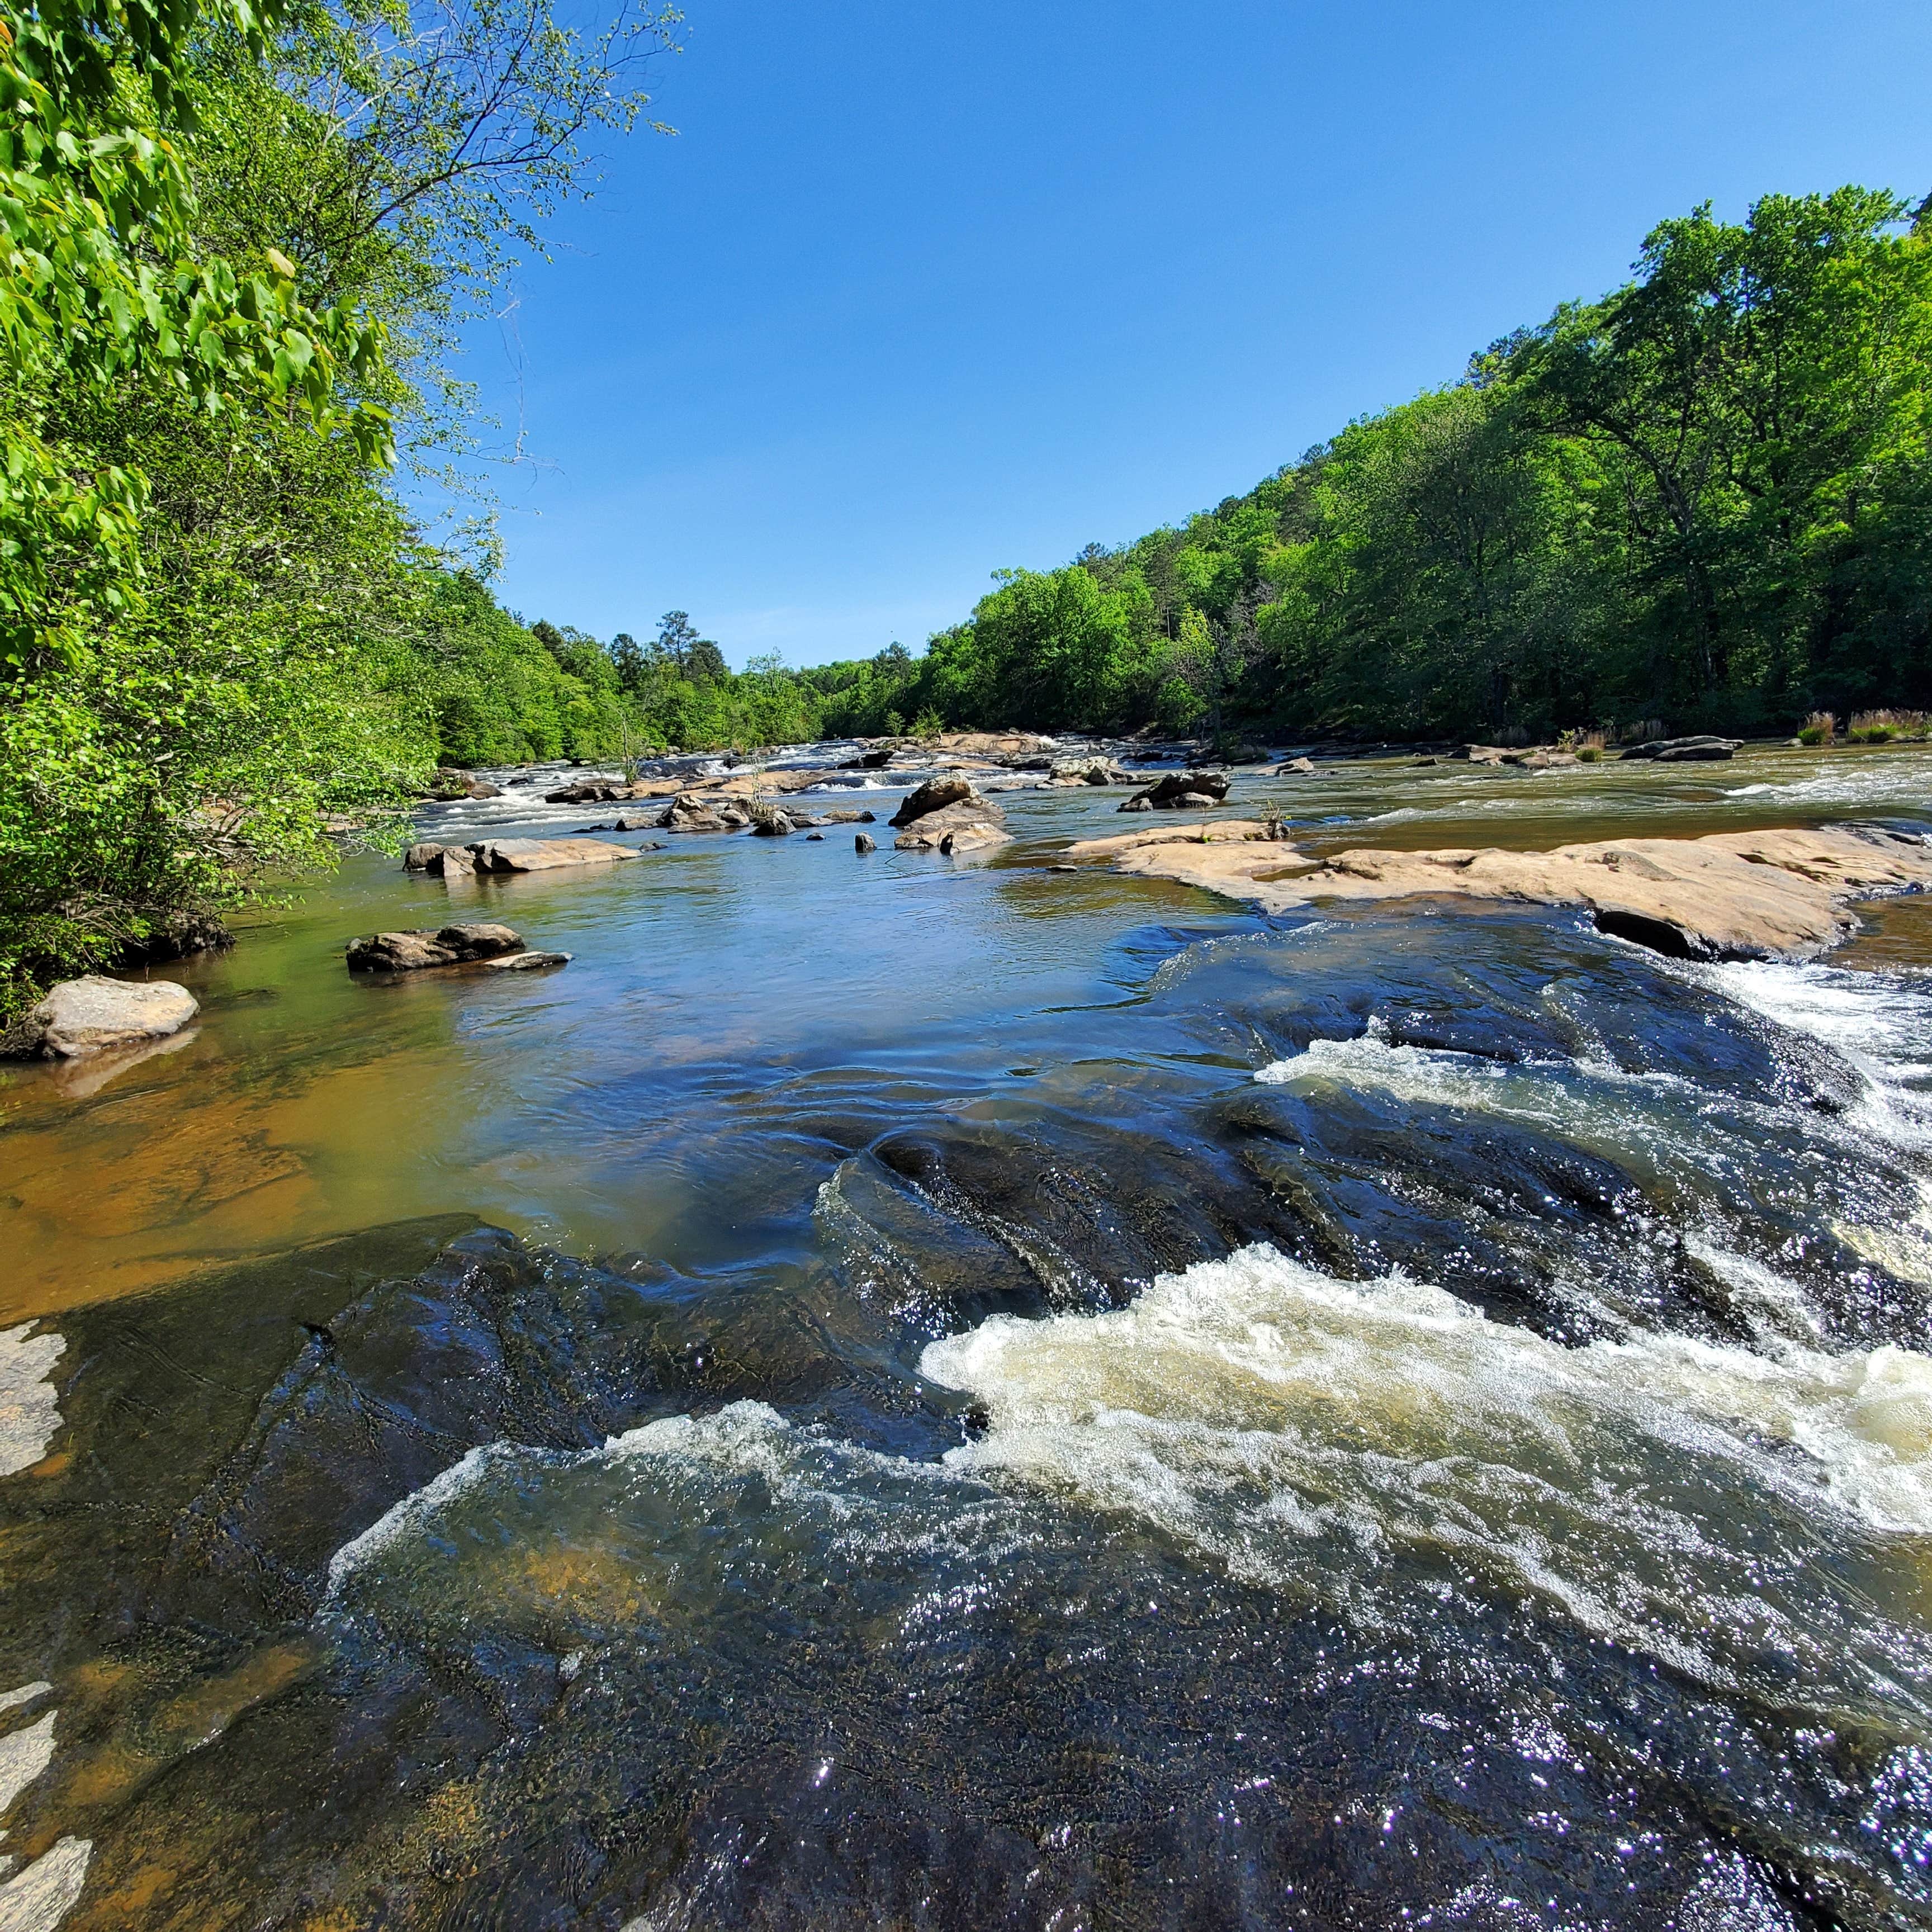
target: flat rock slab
<point>1728,895</point>
<point>97,1015</point>
<point>479,943</point>
<point>541,855</point>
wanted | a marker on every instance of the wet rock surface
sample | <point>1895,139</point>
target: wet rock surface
<point>1102,1410</point>
<point>443,1579</point>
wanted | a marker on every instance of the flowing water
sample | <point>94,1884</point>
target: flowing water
<point>894,1392</point>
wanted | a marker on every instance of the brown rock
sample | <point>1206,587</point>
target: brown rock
<point>541,855</point>
<point>984,823</point>
<point>440,859</point>
<point>1728,895</point>
<point>445,945</point>
<point>1086,772</point>
<point>933,795</point>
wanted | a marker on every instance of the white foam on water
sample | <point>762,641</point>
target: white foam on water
<point>29,1412</point>
<point>1300,1428</point>
<point>1649,1114</point>
<point>403,1519</point>
<point>1880,1025</point>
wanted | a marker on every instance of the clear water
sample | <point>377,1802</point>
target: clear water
<point>894,1392</point>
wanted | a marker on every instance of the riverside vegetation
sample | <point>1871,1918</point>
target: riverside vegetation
<point>240,238</point>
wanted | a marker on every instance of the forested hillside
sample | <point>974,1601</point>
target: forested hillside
<point>239,239</point>
<point>1707,497</point>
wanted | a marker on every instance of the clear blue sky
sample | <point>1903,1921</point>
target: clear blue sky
<point>917,293</point>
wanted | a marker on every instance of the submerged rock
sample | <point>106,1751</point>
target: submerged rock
<point>1181,791</point>
<point>479,943</point>
<point>95,1015</point>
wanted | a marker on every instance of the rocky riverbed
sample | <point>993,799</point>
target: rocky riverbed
<point>927,1387</point>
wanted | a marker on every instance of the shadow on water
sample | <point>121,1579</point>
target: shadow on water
<point>1087,1408</point>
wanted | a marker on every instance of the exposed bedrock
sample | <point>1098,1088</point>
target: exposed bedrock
<point>947,815</point>
<point>1728,895</point>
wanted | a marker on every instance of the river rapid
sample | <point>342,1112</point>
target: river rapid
<point>896,1391</point>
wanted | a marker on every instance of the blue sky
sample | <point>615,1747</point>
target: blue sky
<point>918,292</point>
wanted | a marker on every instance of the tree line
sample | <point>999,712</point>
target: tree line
<point>241,238</point>
<point>1707,497</point>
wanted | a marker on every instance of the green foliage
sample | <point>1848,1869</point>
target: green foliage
<point>215,626</point>
<point>1709,493</point>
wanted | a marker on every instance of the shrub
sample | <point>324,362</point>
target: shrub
<point>1820,728</point>
<point>1880,728</point>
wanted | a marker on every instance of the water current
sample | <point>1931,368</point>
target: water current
<point>902,1392</point>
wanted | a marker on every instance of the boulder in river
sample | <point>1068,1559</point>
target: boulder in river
<point>592,791</point>
<point>695,811</point>
<point>450,783</point>
<point>933,795</point>
<point>1065,771</point>
<point>480,943</point>
<point>541,855</point>
<point>96,1015</point>
<point>862,842</point>
<point>1299,767</point>
<point>968,824</point>
<point>1181,791</point>
<point>1685,751</point>
<point>440,860</point>
<point>768,822</point>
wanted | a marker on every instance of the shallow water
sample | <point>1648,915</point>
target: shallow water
<point>898,1392</point>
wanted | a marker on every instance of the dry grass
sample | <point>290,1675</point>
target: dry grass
<point>1879,728</point>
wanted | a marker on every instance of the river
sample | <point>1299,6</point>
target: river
<point>895,1391</point>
